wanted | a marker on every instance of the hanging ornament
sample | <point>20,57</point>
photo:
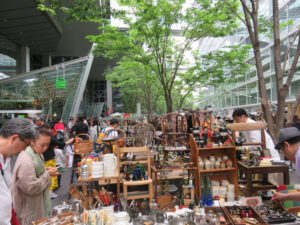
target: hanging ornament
<point>60,81</point>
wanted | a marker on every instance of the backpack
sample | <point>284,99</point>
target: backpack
<point>101,145</point>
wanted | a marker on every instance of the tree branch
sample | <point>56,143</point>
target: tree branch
<point>288,49</point>
<point>293,67</point>
<point>235,12</point>
<point>245,6</point>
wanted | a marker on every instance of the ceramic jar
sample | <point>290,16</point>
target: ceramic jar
<point>201,165</point>
<point>219,158</point>
<point>207,164</point>
<point>215,191</point>
<point>215,183</point>
<point>217,165</point>
<point>225,157</point>
<point>223,191</point>
<point>225,183</point>
<point>228,163</point>
<point>110,165</point>
<point>212,159</point>
<point>222,164</point>
<point>122,217</point>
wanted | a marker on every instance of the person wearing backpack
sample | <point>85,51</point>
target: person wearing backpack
<point>101,145</point>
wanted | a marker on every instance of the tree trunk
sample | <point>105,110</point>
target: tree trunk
<point>281,91</point>
<point>252,26</point>
<point>263,90</point>
<point>168,100</point>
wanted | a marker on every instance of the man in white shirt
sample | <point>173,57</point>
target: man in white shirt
<point>241,116</point>
<point>114,123</point>
<point>15,136</point>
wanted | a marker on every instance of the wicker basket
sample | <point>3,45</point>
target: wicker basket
<point>83,146</point>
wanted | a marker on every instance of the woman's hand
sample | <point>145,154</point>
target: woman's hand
<point>52,171</point>
<point>279,197</point>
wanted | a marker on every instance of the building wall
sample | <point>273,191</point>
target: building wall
<point>244,92</point>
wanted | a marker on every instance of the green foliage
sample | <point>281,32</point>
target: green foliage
<point>152,41</point>
<point>80,10</point>
<point>154,50</point>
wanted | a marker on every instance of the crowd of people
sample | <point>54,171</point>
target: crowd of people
<point>43,152</point>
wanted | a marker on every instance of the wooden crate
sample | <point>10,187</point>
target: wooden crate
<point>227,218</point>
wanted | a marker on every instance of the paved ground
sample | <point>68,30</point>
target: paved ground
<point>62,192</point>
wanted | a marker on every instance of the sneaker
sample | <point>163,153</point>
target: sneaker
<point>53,195</point>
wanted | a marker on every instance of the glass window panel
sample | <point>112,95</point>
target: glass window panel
<point>252,93</point>
<point>283,20</point>
<point>234,98</point>
<point>242,96</point>
<point>293,49</point>
<point>274,89</point>
<point>295,86</point>
<point>293,12</point>
<point>228,99</point>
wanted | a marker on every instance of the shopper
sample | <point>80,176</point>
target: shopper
<point>80,127</point>
<point>31,181</point>
<point>113,124</point>
<point>70,125</point>
<point>59,129</point>
<point>15,136</point>
<point>289,144</point>
<point>69,155</point>
<point>49,157</point>
<point>59,160</point>
<point>252,136</point>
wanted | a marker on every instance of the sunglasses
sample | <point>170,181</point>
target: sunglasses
<point>22,139</point>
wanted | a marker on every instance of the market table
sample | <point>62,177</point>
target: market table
<point>103,181</point>
<point>249,189</point>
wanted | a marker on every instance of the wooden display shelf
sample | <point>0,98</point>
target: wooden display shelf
<point>215,174</point>
<point>136,182</point>
<point>216,148</point>
<point>133,162</point>
<point>251,189</point>
<point>218,170</point>
<point>155,170</point>
<point>136,195</point>
<point>90,179</point>
<point>175,149</point>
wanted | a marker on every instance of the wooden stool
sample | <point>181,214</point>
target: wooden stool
<point>149,182</point>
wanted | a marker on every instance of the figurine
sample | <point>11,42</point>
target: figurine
<point>223,134</point>
<point>216,137</point>
<point>206,134</point>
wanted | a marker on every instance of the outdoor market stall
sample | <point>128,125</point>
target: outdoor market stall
<point>132,185</point>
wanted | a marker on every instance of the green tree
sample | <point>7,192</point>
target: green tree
<point>135,80</point>
<point>161,34</point>
<point>257,26</point>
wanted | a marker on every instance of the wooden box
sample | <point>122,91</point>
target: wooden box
<point>260,220</point>
<point>227,218</point>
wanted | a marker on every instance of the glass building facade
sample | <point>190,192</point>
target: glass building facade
<point>244,92</point>
<point>52,90</point>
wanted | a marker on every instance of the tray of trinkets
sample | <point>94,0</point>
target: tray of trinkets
<point>218,213</point>
<point>274,214</point>
<point>242,215</point>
